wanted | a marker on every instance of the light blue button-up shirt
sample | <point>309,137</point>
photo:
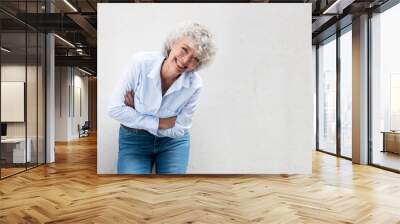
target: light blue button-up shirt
<point>143,76</point>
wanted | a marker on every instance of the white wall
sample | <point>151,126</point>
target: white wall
<point>256,111</point>
<point>79,117</point>
<point>61,103</point>
<point>68,81</point>
<point>314,74</point>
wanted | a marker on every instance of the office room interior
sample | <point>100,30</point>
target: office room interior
<point>318,80</point>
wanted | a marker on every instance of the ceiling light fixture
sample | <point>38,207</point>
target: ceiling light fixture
<point>70,5</point>
<point>79,51</point>
<point>329,9</point>
<point>337,7</point>
<point>64,40</point>
<point>86,72</point>
<point>5,50</point>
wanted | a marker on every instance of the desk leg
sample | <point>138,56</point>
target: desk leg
<point>384,142</point>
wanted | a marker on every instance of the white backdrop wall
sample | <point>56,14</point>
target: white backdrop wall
<point>256,110</point>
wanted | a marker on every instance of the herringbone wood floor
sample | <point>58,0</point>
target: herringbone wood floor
<point>70,191</point>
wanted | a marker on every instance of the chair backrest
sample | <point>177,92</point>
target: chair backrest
<point>86,125</point>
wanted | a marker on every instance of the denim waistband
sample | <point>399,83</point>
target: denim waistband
<point>135,129</point>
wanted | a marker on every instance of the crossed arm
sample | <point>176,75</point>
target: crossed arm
<point>172,126</point>
<point>164,123</point>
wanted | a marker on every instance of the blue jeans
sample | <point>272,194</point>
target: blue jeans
<point>139,151</point>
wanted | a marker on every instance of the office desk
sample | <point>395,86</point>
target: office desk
<point>16,147</point>
<point>391,141</point>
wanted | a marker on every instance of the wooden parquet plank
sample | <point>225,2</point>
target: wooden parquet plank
<point>70,191</point>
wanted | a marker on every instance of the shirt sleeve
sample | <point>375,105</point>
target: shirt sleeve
<point>184,118</point>
<point>126,115</point>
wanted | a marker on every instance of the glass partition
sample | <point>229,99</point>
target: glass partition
<point>33,65</point>
<point>23,89</point>
<point>327,96</point>
<point>385,89</point>
<point>32,95</point>
<point>346,93</point>
<point>41,87</point>
<point>13,98</point>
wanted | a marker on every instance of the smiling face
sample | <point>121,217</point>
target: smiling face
<point>182,57</point>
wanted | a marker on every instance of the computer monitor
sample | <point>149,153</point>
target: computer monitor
<point>3,129</point>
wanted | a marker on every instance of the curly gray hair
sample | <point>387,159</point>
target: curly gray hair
<point>200,35</point>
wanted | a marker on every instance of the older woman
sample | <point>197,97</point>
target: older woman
<point>155,102</point>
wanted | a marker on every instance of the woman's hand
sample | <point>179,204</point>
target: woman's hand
<point>129,99</point>
<point>166,123</point>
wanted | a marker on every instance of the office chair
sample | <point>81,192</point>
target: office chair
<point>84,130</point>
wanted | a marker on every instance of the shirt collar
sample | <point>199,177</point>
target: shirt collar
<point>184,80</point>
<point>156,70</point>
